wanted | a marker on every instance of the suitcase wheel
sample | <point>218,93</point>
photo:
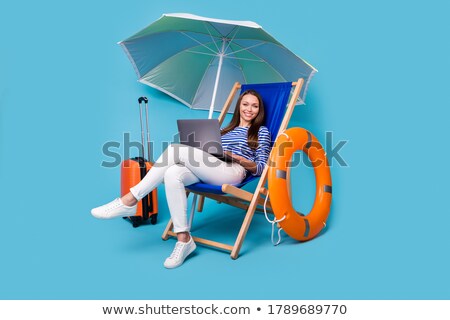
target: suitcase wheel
<point>137,221</point>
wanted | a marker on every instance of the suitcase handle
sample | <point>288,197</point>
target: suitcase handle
<point>144,99</point>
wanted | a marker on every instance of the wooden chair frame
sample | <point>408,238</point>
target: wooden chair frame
<point>251,202</point>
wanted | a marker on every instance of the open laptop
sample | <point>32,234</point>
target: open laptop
<point>203,134</point>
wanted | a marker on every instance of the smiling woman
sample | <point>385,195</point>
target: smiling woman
<point>249,109</point>
<point>241,137</point>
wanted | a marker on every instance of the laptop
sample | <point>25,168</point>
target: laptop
<point>203,134</point>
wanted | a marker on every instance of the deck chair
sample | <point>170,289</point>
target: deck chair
<point>279,101</point>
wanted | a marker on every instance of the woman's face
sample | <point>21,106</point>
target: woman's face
<point>249,109</point>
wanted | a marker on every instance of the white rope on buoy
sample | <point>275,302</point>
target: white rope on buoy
<point>273,222</point>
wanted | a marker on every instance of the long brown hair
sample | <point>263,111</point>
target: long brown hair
<point>252,137</point>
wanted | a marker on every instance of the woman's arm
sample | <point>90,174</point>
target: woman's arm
<point>256,166</point>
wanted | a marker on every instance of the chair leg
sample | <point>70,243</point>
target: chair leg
<point>191,216</point>
<point>249,215</point>
<point>168,228</point>
<point>201,201</point>
<point>243,232</point>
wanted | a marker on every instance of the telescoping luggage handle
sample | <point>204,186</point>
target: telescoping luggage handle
<point>145,100</point>
<point>147,204</point>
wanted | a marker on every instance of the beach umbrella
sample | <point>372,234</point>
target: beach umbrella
<point>196,60</point>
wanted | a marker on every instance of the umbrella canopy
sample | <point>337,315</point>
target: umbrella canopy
<point>196,60</point>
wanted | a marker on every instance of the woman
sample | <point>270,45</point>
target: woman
<point>245,139</point>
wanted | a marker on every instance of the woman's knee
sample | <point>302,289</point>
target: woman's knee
<point>179,174</point>
<point>174,172</point>
<point>180,152</point>
<point>170,155</point>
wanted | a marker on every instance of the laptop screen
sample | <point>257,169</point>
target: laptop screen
<point>201,133</point>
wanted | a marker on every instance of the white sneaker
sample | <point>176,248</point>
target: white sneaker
<point>179,253</point>
<point>114,209</point>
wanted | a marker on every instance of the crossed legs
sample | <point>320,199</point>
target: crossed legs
<point>177,167</point>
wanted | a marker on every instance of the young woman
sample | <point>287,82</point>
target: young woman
<point>245,139</point>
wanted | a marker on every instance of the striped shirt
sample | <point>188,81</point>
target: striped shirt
<point>235,141</point>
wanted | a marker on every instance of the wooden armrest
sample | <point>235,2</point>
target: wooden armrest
<point>239,193</point>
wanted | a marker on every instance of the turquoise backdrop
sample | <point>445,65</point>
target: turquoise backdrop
<point>382,91</point>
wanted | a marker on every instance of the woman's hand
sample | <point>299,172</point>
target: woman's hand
<point>235,157</point>
<point>247,164</point>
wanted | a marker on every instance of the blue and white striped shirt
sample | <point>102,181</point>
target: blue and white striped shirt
<point>235,141</point>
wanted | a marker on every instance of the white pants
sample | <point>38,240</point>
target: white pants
<point>180,166</point>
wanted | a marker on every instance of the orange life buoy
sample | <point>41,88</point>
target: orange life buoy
<point>298,226</point>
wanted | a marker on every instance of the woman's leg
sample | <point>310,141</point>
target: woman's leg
<point>126,205</point>
<point>206,167</point>
<point>175,179</point>
<point>191,168</point>
<point>179,166</point>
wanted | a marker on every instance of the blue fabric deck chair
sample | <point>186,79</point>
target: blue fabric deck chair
<point>279,101</point>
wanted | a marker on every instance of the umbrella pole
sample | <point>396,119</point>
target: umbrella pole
<point>216,83</point>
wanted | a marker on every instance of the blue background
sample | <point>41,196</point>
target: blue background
<point>67,88</point>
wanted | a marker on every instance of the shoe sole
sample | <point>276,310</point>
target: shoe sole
<point>114,216</point>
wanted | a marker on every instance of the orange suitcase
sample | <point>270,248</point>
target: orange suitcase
<point>131,173</point>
